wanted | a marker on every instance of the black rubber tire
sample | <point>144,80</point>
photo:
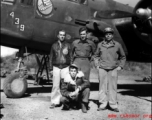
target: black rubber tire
<point>8,86</point>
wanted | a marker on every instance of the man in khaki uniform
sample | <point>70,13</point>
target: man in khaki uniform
<point>82,51</point>
<point>111,59</point>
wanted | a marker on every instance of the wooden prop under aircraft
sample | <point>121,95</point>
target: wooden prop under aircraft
<point>32,25</point>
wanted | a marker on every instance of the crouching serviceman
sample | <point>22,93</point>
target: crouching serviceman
<point>75,90</point>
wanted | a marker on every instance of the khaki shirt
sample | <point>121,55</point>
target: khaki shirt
<point>84,49</point>
<point>110,55</point>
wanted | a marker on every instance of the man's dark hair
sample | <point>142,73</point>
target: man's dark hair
<point>83,29</point>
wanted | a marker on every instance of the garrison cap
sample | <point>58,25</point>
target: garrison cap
<point>73,66</point>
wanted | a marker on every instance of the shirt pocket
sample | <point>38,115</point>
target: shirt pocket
<point>103,52</point>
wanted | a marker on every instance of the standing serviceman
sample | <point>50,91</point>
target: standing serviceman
<point>82,51</point>
<point>60,59</point>
<point>111,59</point>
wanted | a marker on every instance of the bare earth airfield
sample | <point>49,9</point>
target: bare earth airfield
<point>134,97</point>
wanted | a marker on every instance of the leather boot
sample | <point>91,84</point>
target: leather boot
<point>84,107</point>
<point>66,107</point>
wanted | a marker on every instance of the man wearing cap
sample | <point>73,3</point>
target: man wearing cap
<point>82,51</point>
<point>75,90</point>
<point>111,59</point>
<point>60,59</point>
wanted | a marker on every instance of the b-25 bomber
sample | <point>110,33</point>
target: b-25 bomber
<point>32,25</point>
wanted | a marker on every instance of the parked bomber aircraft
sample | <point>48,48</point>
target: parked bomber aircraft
<point>32,25</point>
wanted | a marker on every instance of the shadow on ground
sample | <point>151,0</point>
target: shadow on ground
<point>143,90</point>
<point>1,107</point>
<point>1,90</point>
<point>39,89</point>
<point>143,81</point>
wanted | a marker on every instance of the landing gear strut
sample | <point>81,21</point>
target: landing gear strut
<point>15,85</point>
<point>42,66</point>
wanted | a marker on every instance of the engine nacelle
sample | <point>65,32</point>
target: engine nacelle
<point>142,21</point>
<point>144,13</point>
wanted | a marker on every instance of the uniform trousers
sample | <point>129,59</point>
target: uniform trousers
<point>57,75</point>
<point>83,65</point>
<point>82,97</point>
<point>108,87</point>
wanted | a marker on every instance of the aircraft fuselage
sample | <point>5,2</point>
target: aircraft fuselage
<point>35,23</point>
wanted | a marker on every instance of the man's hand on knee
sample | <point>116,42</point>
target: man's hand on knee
<point>74,94</point>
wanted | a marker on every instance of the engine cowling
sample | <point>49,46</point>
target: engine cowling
<point>142,20</point>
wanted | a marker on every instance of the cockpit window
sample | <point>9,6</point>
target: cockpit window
<point>79,1</point>
<point>8,2</point>
<point>27,2</point>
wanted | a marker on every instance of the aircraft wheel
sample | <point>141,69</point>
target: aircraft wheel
<point>15,86</point>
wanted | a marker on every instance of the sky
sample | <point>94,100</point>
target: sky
<point>5,51</point>
<point>8,51</point>
<point>130,2</point>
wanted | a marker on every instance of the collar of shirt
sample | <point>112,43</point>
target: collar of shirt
<point>110,44</point>
<point>61,44</point>
<point>86,41</point>
<point>69,79</point>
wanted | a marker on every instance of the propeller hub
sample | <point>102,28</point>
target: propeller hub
<point>144,13</point>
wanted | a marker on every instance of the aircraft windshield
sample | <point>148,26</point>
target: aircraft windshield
<point>8,2</point>
<point>79,1</point>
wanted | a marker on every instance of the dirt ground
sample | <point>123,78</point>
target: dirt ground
<point>134,98</point>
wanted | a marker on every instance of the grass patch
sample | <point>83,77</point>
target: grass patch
<point>141,69</point>
<point>137,69</point>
